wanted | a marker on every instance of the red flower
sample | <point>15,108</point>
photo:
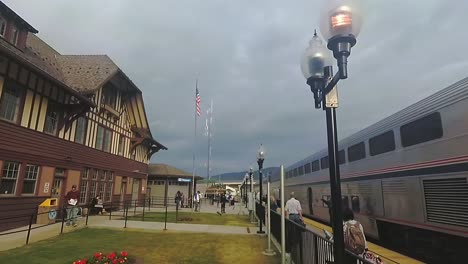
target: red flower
<point>124,254</point>
<point>114,261</point>
<point>111,255</point>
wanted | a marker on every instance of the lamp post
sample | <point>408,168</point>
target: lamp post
<point>340,25</point>
<point>260,159</point>
<point>246,180</point>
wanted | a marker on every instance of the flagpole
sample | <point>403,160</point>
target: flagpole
<point>194,144</point>
<point>210,122</point>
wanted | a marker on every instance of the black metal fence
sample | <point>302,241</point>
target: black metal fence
<point>121,210</point>
<point>303,245</point>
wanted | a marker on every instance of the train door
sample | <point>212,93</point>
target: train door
<point>310,199</point>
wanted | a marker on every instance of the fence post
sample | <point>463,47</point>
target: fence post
<point>110,210</point>
<point>177,211</point>
<point>124,203</point>
<point>134,210</point>
<point>29,229</point>
<point>143,215</point>
<point>165,219</point>
<point>87,213</point>
<point>64,212</point>
<point>126,216</point>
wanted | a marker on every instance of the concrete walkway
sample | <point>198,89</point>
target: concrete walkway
<point>19,239</point>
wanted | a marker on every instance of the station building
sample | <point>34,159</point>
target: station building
<point>165,180</point>
<point>66,120</point>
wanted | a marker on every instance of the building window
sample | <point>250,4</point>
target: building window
<point>107,140</point>
<point>10,102</point>
<point>92,189</point>
<point>30,179</point>
<point>9,177</point>
<point>109,95</point>
<point>356,152</point>
<point>108,195</point>
<point>324,162</point>
<point>421,130</point>
<point>14,36</point>
<point>102,190</point>
<point>2,26</point>
<point>103,139</point>
<point>315,165</point>
<point>382,143</point>
<point>52,118</point>
<point>80,130</point>
<point>111,176</point>
<point>121,142</point>
<point>83,191</point>
<point>95,174</point>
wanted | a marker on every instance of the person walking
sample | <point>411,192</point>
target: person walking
<point>72,210</point>
<point>196,200</point>
<point>294,210</point>
<point>223,203</point>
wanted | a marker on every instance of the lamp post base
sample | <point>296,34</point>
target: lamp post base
<point>269,252</point>
<point>261,232</point>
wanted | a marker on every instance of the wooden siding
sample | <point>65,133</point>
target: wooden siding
<point>20,143</point>
<point>16,211</point>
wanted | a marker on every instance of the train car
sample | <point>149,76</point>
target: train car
<point>405,177</point>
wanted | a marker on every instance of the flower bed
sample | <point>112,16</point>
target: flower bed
<point>111,258</point>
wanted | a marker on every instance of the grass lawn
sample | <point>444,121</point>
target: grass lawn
<point>154,247</point>
<point>197,218</point>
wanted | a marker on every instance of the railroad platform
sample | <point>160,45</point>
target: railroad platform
<point>388,256</point>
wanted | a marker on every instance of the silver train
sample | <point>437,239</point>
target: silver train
<point>405,177</point>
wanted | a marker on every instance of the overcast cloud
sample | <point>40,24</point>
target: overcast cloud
<point>246,55</point>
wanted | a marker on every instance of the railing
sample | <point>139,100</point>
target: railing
<point>303,245</point>
<point>121,210</point>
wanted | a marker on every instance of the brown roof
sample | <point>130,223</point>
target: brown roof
<point>167,170</point>
<point>39,64</point>
<point>7,11</point>
<point>86,73</point>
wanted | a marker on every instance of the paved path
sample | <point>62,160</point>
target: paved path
<point>19,239</point>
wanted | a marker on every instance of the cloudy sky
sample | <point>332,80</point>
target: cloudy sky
<point>246,55</point>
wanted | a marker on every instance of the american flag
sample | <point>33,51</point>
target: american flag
<point>197,102</point>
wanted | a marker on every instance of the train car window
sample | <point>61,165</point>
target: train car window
<point>327,199</point>
<point>310,199</point>
<point>355,206</point>
<point>307,168</point>
<point>382,143</point>
<point>315,165</point>
<point>345,201</point>
<point>301,170</point>
<point>295,172</point>
<point>341,156</point>
<point>356,152</point>
<point>324,162</point>
<point>421,130</point>
<point>287,174</point>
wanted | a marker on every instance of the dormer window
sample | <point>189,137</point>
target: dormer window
<point>109,96</point>
<point>2,26</point>
<point>14,36</point>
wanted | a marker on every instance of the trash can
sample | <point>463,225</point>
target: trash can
<point>47,212</point>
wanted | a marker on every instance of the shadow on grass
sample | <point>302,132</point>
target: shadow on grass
<point>196,218</point>
<point>153,247</point>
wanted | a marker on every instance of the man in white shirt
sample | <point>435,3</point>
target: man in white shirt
<point>196,200</point>
<point>294,210</point>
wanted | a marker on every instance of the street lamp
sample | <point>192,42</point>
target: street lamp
<point>340,25</point>
<point>260,159</point>
<point>246,180</point>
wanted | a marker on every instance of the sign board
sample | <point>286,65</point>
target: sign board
<point>46,187</point>
<point>184,180</point>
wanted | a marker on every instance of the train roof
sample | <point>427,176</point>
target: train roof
<point>443,98</point>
